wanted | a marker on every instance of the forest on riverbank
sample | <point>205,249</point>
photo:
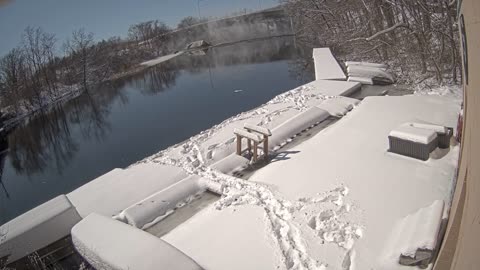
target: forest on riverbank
<point>40,71</point>
<point>418,38</point>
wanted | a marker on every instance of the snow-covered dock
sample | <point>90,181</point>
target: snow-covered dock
<point>161,59</point>
<point>326,66</point>
<point>339,196</point>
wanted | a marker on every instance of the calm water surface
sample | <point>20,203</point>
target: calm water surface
<point>123,122</point>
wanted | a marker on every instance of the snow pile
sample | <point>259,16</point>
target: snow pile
<point>109,244</point>
<point>417,231</point>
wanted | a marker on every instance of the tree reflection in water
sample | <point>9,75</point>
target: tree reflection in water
<point>50,140</point>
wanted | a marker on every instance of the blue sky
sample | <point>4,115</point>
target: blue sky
<point>105,18</point>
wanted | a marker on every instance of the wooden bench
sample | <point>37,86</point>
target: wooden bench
<point>256,134</point>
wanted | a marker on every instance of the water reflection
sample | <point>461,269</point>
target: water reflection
<point>112,126</point>
<point>46,139</point>
<point>3,156</point>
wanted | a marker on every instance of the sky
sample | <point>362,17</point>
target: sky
<point>105,18</point>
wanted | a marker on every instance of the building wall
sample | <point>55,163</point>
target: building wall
<point>461,247</point>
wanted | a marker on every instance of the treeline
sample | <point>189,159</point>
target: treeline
<point>40,70</point>
<point>419,37</point>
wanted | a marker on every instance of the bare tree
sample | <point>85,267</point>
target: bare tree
<point>190,21</point>
<point>416,35</point>
<point>38,48</point>
<point>80,46</point>
<point>11,67</point>
<point>148,35</point>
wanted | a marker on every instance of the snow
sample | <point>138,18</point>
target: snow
<point>369,72</point>
<point>333,88</point>
<point>326,66</point>
<point>354,152</point>
<point>233,239</point>
<point>436,128</point>
<point>418,230</point>
<point>295,125</point>
<point>366,64</point>
<point>333,203</point>
<point>110,244</point>
<point>362,80</point>
<point>285,247</point>
<point>144,212</point>
<point>414,134</point>
<point>258,129</point>
<point>111,193</point>
<point>213,145</point>
<point>248,135</point>
<point>160,59</point>
<point>231,163</point>
<point>338,106</point>
<point>37,228</point>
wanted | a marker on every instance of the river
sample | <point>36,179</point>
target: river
<point>122,122</point>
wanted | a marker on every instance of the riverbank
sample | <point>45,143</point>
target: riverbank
<point>71,92</point>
